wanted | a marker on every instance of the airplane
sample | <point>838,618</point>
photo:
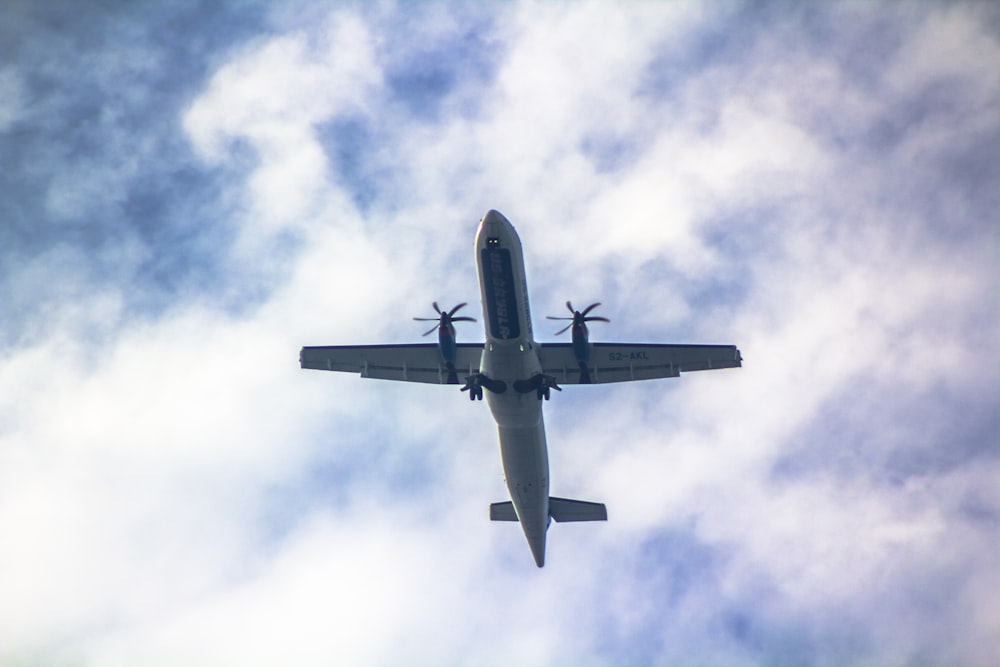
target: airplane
<point>515,373</point>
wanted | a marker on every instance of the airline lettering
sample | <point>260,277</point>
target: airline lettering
<point>500,299</point>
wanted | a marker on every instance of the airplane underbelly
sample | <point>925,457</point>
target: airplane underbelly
<point>511,408</point>
<point>526,470</point>
<point>510,359</point>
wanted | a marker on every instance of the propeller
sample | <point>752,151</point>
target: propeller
<point>579,317</point>
<point>445,318</point>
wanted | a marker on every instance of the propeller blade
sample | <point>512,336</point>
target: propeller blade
<point>430,331</point>
<point>444,317</point>
<point>579,318</point>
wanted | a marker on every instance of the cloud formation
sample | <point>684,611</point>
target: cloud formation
<point>193,191</point>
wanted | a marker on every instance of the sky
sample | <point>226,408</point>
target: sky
<point>190,191</point>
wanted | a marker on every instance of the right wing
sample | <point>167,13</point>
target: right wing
<point>419,362</point>
<point>624,362</point>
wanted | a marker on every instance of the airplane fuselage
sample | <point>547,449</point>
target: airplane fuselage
<point>510,355</point>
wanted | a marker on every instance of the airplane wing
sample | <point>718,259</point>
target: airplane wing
<point>419,362</point>
<point>624,362</point>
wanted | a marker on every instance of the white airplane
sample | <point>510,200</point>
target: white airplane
<point>517,373</point>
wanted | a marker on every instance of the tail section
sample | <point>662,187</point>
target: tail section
<point>560,509</point>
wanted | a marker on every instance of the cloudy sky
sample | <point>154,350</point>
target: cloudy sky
<point>191,191</point>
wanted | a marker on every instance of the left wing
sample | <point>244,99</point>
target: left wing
<point>419,362</point>
<point>624,362</point>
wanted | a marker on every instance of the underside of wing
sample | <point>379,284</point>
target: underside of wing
<point>407,363</point>
<point>626,362</point>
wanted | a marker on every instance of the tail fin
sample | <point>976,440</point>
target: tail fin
<point>560,509</point>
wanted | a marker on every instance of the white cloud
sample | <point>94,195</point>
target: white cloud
<point>272,96</point>
<point>949,45</point>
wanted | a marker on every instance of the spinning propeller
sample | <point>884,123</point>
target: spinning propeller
<point>579,317</point>
<point>445,318</point>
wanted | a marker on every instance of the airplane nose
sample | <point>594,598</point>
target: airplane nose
<point>496,230</point>
<point>494,217</point>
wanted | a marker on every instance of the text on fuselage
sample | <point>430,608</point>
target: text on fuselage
<point>501,301</point>
<point>628,356</point>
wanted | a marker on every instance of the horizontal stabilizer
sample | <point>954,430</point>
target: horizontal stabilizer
<point>560,509</point>
<point>563,509</point>
<point>502,512</point>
